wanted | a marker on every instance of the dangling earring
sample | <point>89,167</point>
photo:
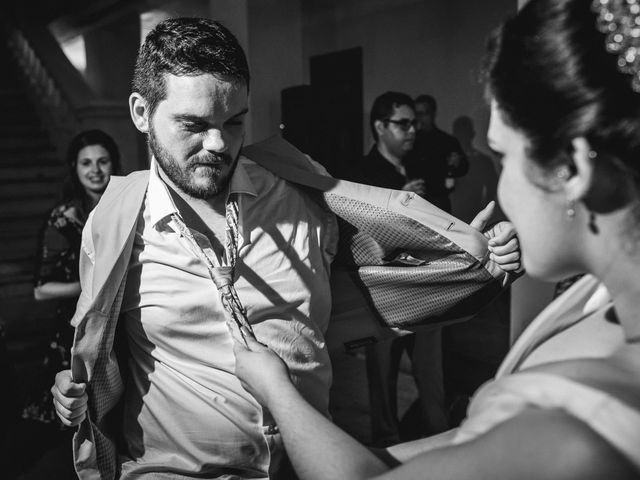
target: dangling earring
<point>563,172</point>
<point>571,209</point>
<point>592,224</point>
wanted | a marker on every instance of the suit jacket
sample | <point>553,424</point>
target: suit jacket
<point>400,260</point>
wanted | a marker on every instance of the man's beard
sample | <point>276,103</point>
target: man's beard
<point>182,175</point>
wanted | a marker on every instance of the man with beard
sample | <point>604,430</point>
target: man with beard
<point>211,220</point>
<point>178,258</point>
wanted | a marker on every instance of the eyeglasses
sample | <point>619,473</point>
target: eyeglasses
<point>404,123</point>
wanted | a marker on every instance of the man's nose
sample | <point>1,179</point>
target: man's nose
<point>214,141</point>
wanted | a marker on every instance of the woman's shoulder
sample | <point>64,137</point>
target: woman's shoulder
<point>68,212</point>
<point>616,376</point>
<point>601,394</point>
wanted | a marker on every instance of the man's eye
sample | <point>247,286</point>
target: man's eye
<point>235,123</point>
<point>193,126</point>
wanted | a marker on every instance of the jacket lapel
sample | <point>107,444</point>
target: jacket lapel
<point>109,243</point>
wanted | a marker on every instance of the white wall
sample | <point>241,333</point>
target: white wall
<point>414,46</point>
<point>275,57</point>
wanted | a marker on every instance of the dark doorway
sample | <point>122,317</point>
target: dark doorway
<point>325,118</point>
<point>336,80</point>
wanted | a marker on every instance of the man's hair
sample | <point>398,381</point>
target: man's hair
<point>186,46</point>
<point>383,107</point>
<point>429,100</point>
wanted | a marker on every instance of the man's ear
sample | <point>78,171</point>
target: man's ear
<point>379,126</point>
<point>577,185</point>
<point>139,111</point>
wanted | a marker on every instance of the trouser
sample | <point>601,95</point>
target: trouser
<point>383,361</point>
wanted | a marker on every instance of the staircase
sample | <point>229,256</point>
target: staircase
<point>31,174</point>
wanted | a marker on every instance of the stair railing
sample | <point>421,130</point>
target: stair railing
<point>52,106</point>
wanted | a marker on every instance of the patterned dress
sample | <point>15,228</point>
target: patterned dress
<point>57,261</point>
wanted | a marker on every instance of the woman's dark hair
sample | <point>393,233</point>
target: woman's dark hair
<point>553,80</point>
<point>186,46</point>
<point>84,139</point>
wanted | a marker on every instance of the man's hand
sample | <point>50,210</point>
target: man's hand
<point>70,399</point>
<point>416,186</point>
<point>260,370</point>
<point>504,247</point>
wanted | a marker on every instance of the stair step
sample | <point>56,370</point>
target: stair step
<point>21,227</point>
<point>27,353</point>
<point>10,80</point>
<point>19,286</point>
<point>22,190</point>
<point>22,312</point>
<point>33,205</point>
<point>13,97</point>
<point>12,113</point>
<point>13,147</point>
<point>22,129</point>
<point>16,272</point>
<point>40,142</point>
<point>18,248</point>
<point>43,173</point>
<point>30,160</point>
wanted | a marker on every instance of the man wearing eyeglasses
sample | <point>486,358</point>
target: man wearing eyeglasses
<point>393,126</point>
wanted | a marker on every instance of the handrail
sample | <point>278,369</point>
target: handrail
<point>54,108</point>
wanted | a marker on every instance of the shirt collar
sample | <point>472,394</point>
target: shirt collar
<point>161,204</point>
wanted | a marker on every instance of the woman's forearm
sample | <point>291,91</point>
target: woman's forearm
<point>56,290</point>
<point>317,448</point>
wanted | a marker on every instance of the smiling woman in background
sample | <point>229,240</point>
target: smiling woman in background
<point>92,158</point>
<point>564,79</point>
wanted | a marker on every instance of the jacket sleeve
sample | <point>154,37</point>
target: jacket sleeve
<point>87,258</point>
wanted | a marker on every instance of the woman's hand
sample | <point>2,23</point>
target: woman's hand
<point>260,370</point>
<point>504,247</point>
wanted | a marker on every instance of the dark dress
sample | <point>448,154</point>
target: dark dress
<point>57,261</point>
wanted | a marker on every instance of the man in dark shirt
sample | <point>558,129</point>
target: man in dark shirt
<point>436,157</point>
<point>393,125</point>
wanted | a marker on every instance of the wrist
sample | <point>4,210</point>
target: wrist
<point>279,391</point>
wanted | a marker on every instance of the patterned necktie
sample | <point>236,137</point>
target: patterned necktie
<point>222,272</point>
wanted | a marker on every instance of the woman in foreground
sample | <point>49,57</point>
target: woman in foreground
<point>566,402</point>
